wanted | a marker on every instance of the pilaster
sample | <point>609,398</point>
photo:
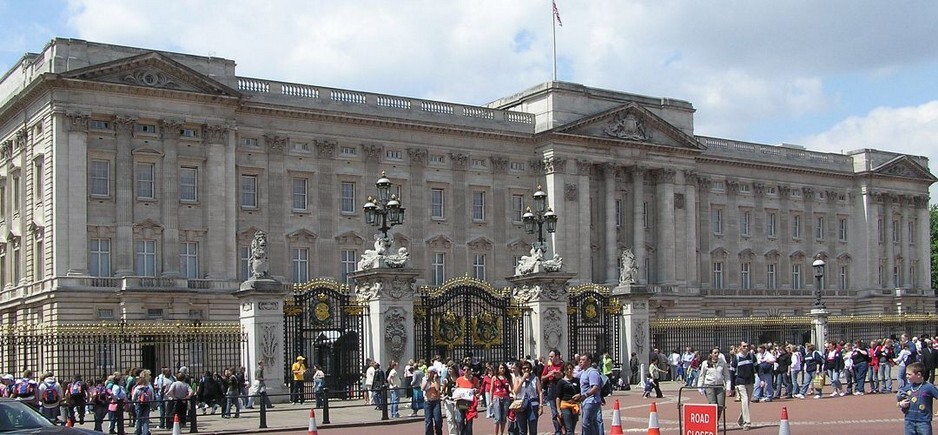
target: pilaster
<point>215,202</point>
<point>638,227</point>
<point>611,249</point>
<point>169,203</point>
<point>635,318</point>
<point>71,196</point>
<point>124,199</point>
<point>665,229</point>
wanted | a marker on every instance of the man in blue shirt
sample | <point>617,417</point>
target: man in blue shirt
<point>915,401</point>
<point>591,386</point>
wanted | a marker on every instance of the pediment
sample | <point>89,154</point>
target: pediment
<point>518,245</point>
<point>439,242</point>
<point>631,123</point>
<point>350,238</point>
<point>247,235</point>
<point>152,70</point>
<point>904,167</point>
<point>302,235</point>
<point>480,244</point>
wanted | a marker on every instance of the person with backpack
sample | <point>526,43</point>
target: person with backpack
<point>50,396</point>
<point>160,385</point>
<point>813,361</point>
<point>745,366</point>
<point>118,395</point>
<point>76,398</point>
<point>142,398</point>
<point>100,399</point>
<point>24,390</point>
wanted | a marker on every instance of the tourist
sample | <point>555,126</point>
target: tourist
<point>568,399</point>
<point>501,397</point>
<point>745,379</point>
<point>714,380</point>
<point>591,393</point>
<point>296,387</point>
<point>432,393</point>
<point>915,399</point>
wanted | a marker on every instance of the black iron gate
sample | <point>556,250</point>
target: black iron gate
<point>593,319</point>
<point>324,324</point>
<point>464,316</point>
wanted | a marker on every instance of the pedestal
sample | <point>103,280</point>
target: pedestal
<point>545,293</point>
<point>389,330</point>
<point>261,318</point>
<point>819,323</point>
<point>635,319</point>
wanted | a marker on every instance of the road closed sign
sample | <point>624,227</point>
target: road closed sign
<point>700,420</point>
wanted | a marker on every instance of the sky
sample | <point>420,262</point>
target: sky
<point>832,75</point>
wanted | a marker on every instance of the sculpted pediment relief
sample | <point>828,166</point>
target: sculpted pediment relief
<point>904,167</point>
<point>631,123</point>
<point>152,70</point>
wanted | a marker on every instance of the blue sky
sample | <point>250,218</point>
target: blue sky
<point>834,76</point>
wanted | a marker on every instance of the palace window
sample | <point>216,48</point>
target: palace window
<point>436,204</point>
<point>249,191</point>
<point>300,261</point>
<point>478,267</point>
<point>842,229</point>
<point>771,280</point>
<point>517,208</point>
<point>299,194</point>
<point>438,269</point>
<point>745,220</point>
<point>347,265</point>
<point>745,281</point>
<point>843,277</point>
<point>188,184</point>
<point>189,259</point>
<point>771,224</point>
<point>143,173</point>
<point>717,220</point>
<point>478,206</point>
<point>796,282</point>
<point>100,175</point>
<point>99,258</point>
<point>796,226</point>
<point>819,228</point>
<point>244,262</point>
<point>348,197</point>
<point>717,274</point>
<point>145,257</point>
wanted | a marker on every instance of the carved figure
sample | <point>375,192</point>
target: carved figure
<point>529,263</point>
<point>398,260</point>
<point>626,127</point>
<point>371,259</point>
<point>395,335</point>
<point>553,332</point>
<point>259,261</point>
<point>554,264</point>
<point>628,271</point>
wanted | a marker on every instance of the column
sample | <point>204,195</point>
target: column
<point>419,202</point>
<point>460,217</point>
<point>215,203</point>
<point>326,187</point>
<point>706,230</point>
<point>890,247</point>
<point>389,294</point>
<point>261,317</point>
<point>783,270</point>
<point>638,227</point>
<point>905,203</point>
<point>124,199</point>
<point>73,174</point>
<point>923,244</point>
<point>611,248</point>
<point>868,264</point>
<point>500,204</point>
<point>555,186</point>
<point>664,211</point>
<point>169,202</point>
<point>690,240</point>
<point>578,252</point>
<point>276,192</point>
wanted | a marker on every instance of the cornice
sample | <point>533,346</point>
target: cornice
<point>610,143</point>
<point>758,165</point>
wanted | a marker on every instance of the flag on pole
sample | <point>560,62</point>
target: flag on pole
<point>557,14</point>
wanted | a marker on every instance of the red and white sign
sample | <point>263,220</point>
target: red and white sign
<point>700,420</point>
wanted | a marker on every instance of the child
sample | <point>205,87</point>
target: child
<point>648,385</point>
<point>915,400</point>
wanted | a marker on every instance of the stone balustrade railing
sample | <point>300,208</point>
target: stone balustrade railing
<point>776,154</point>
<point>366,99</point>
<point>130,283</point>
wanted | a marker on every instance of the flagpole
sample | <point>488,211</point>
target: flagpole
<point>553,22</point>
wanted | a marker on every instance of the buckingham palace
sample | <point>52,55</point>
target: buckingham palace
<point>132,182</point>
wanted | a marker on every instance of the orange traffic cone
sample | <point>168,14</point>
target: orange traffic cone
<point>653,428</point>
<point>783,428</point>
<point>176,429</point>
<point>616,420</point>
<point>69,422</point>
<point>312,422</point>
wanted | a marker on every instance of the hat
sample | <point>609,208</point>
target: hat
<point>431,369</point>
<point>300,358</point>
<point>7,377</point>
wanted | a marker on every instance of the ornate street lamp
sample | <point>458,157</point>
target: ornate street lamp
<point>542,218</point>
<point>385,211</point>
<point>819,275</point>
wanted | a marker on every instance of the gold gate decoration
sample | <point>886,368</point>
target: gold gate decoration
<point>449,330</point>
<point>487,329</point>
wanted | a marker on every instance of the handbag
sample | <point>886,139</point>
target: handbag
<point>819,381</point>
<point>516,405</point>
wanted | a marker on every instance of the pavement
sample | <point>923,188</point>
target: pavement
<point>873,414</point>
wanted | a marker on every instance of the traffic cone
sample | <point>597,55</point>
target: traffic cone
<point>616,421</point>
<point>176,429</point>
<point>312,422</point>
<point>653,428</point>
<point>69,422</point>
<point>783,428</point>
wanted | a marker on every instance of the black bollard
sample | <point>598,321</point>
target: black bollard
<point>384,402</point>
<point>120,417</point>
<point>325,405</point>
<point>263,418</point>
<point>193,427</point>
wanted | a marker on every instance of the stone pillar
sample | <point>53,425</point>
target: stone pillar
<point>634,299</point>
<point>664,212</point>
<point>638,227</point>
<point>72,172</point>
<point>819,323</point>
<point>216,137</point>
<point>545,293</point>
<point>124,200</point>
<point>389,294</point>
<point>169,131</point>
<point>904,278</point>
<point>691,275</point>
<point>887,241</point>
<point>612,247</point>
<point>261,315</point>
<point>923,245</point>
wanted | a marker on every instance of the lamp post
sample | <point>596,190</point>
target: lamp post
<point>385,211</point>
<point>540,219</point>
<point>819,275</point>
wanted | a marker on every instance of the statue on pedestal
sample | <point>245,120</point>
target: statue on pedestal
<point>259,262</point>
<point>378,257</point>
<point>628,272</point>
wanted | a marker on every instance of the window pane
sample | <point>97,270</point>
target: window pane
<point>436,203</point>
<point>299,193</point>
<point>145,258</point>
<point>188,184</point>
<point>144,175</point>
<point>348,197</point>
<point>189,259</point>
<point>100,177</point>
<point>249,191</point>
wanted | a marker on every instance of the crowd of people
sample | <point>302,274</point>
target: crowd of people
<point>513,395</point>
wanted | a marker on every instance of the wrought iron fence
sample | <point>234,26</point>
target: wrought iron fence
<point>99,349</point>
<point>701,333</point>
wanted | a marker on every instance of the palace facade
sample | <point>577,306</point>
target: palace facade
<point>132,182</point>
